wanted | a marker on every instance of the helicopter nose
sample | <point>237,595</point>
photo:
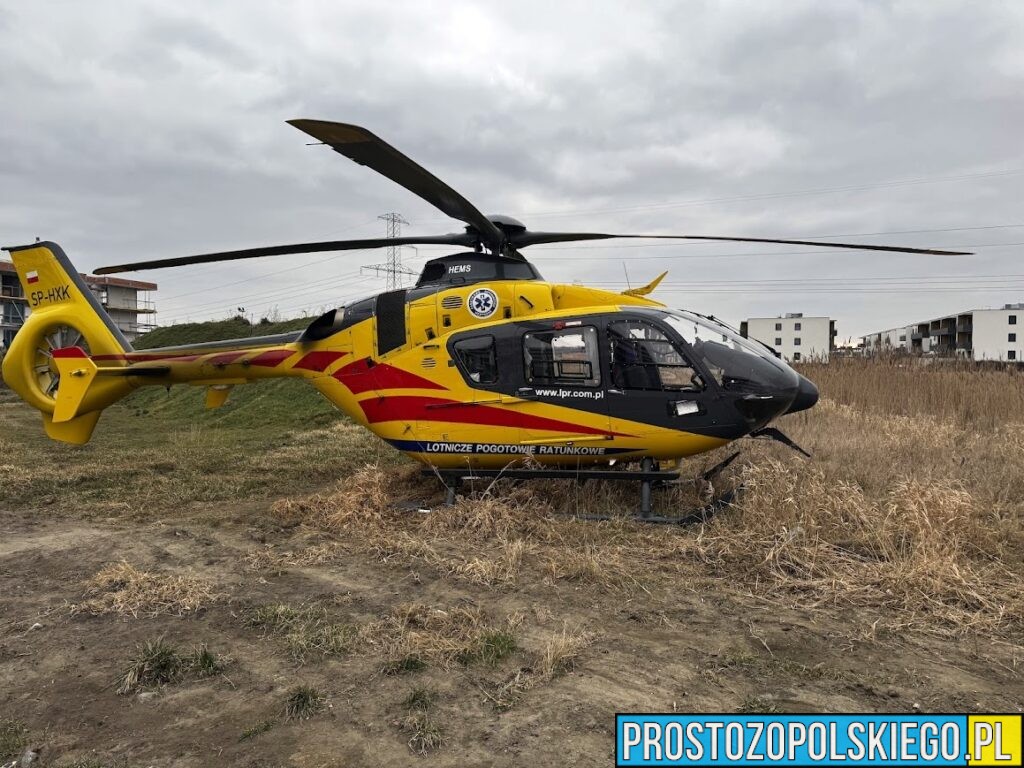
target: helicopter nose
<point>806,396</point>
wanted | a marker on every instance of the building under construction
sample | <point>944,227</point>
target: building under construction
<point>128,302</point>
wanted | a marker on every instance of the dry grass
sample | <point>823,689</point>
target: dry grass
<point>269,559</point>
<point>424,734</point>
<point>920,516</point>
<point>557,656</point>
<point>303,702</point>
<point>561,651</point>
<point>981,397</point>
<point>363,499</point>
<point>307,631</point>
<point>14,737</point>
<point>440,636</point>
<point>502,567</point>
<point>123,589</point>
<point>923,549</point>
<point>156,663</point>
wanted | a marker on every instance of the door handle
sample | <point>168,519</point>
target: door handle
<point>616,392</point>
<point>526,392</point>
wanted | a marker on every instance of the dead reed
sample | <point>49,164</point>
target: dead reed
<point>983,396</point>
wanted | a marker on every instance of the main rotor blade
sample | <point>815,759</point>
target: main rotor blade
<point>367,149</point>
<point>523,239</point>
<point>463,238</point>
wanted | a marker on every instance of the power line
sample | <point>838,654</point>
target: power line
<point>267,297</point>
<point>289,268</point>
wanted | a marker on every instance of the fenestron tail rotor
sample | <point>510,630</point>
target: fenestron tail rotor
<point>45,371</point>
<point>501,235</point>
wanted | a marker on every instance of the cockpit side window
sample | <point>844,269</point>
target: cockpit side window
<point>643,357</point>
<point>565,356</point>
<point>478,358</point>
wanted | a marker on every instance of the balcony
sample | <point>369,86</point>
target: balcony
<point>964,327</point>
<point>139,307</point>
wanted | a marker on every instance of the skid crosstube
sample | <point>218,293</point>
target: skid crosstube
<point>647,476</point>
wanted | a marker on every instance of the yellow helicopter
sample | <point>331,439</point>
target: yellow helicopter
<point>482,368</point>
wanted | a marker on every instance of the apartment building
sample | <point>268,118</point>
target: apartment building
<point>974,334</point>
<point>795,337</point>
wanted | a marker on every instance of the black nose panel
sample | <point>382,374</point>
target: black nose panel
<point>806,396</point>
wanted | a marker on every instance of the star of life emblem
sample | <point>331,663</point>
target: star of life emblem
<point>483,302</point>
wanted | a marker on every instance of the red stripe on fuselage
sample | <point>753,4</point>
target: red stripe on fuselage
<point>271,358</point>
<point>319,361</point>
<point>359,376</point>
<point>412,408</point>
<point>225,358</point>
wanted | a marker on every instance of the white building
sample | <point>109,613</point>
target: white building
<point>795,337</point>
<point>975,334</point>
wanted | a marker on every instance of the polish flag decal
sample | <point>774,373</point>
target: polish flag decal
<point>32,277</point>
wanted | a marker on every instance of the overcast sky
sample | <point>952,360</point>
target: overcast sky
<point>145,130</point>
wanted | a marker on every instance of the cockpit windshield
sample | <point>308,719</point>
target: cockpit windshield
<point>736,363</point>
<point>694,328</point>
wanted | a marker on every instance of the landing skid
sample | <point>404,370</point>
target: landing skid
<point>647,476</point>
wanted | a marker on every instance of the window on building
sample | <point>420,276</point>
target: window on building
<point>796,342</point>
<point>1013,319</point>
<point>778,342</point>
<point>796,326</point>
<point>479,358</point>
<point>1011,355</point>
<point>796,357</point>
<point>568,356</point>
<point>645,358</point>
<point>1011,337</point>
<point>778,326</point>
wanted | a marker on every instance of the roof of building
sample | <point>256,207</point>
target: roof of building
<point>792,316</point>
<point>120,282</point>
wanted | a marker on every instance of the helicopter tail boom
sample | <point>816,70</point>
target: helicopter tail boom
<point>70,361</point>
